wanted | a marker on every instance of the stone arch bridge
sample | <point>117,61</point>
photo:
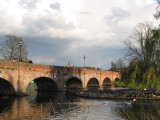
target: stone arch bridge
<point>16,76</point>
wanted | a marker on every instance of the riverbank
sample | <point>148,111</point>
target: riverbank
<point>147,94</point>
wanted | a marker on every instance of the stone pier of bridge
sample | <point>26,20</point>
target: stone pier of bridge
<point>16,76</point>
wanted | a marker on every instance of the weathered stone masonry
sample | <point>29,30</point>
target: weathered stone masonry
<point>21,74</point>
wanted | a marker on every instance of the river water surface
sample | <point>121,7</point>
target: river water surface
<point>64,106</point>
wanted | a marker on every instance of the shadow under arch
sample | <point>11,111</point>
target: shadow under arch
<point>73,83</point>
<point>93,83</point>
<point>43,84</point>
<point>41,89</point>
<point>117,79</point>
<point>6,88</point>
<point>107,82</point>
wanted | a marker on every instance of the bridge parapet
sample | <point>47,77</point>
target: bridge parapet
<point>19,74</point>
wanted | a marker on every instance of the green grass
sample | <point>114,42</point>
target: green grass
<point>12,68</point>
<point>141,110</point>
<point>7,68</point>
<point>2,67</point>
<point>119,84</point>
<point>130,85</point>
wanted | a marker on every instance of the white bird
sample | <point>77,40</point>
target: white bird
<point>134,100</point>
<point>128,103</point>
<point>105,102</point>
<point>5,97</point>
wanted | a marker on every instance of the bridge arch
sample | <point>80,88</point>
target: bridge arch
<point>106,81</point>
<point>43,84</point>
<point>93,82</point>
<point>117,79</point>
<point>73,82</point>
<point>6,87</point>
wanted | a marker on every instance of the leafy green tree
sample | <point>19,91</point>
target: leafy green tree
<point>144,55</point>
<point>10,48</point>
<point>143,52</point>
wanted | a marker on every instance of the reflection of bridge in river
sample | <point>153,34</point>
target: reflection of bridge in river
<point>15,77</point>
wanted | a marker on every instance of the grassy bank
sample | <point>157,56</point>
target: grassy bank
<point>133,86</point>
<point>141,111</point>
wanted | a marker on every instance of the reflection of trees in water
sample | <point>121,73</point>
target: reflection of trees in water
<point>47,96</point>
<point>141,110</point>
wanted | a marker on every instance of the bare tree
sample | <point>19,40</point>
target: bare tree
<point>142,44</point>
<point>10,48</point>
<point>113,66</point>
<point>120,64</point>
<point>157,14</point>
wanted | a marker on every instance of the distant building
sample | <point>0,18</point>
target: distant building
<point>68,64</point>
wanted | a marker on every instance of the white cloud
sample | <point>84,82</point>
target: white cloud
<point>75,19</point>
<point>76,26</point>
<point>42,60</point>
<point>117,15</point>
<point>28,4</point>
<point>43,24</point>
<point>56,6</point>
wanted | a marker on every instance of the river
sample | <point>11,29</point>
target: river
<point>67,106</point>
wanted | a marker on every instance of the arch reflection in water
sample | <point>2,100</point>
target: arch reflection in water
<point>63,107</point>
<point>6,102</point>
<point>41,84</point>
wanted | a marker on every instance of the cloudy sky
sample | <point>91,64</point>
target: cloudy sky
<point>58,31</point>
